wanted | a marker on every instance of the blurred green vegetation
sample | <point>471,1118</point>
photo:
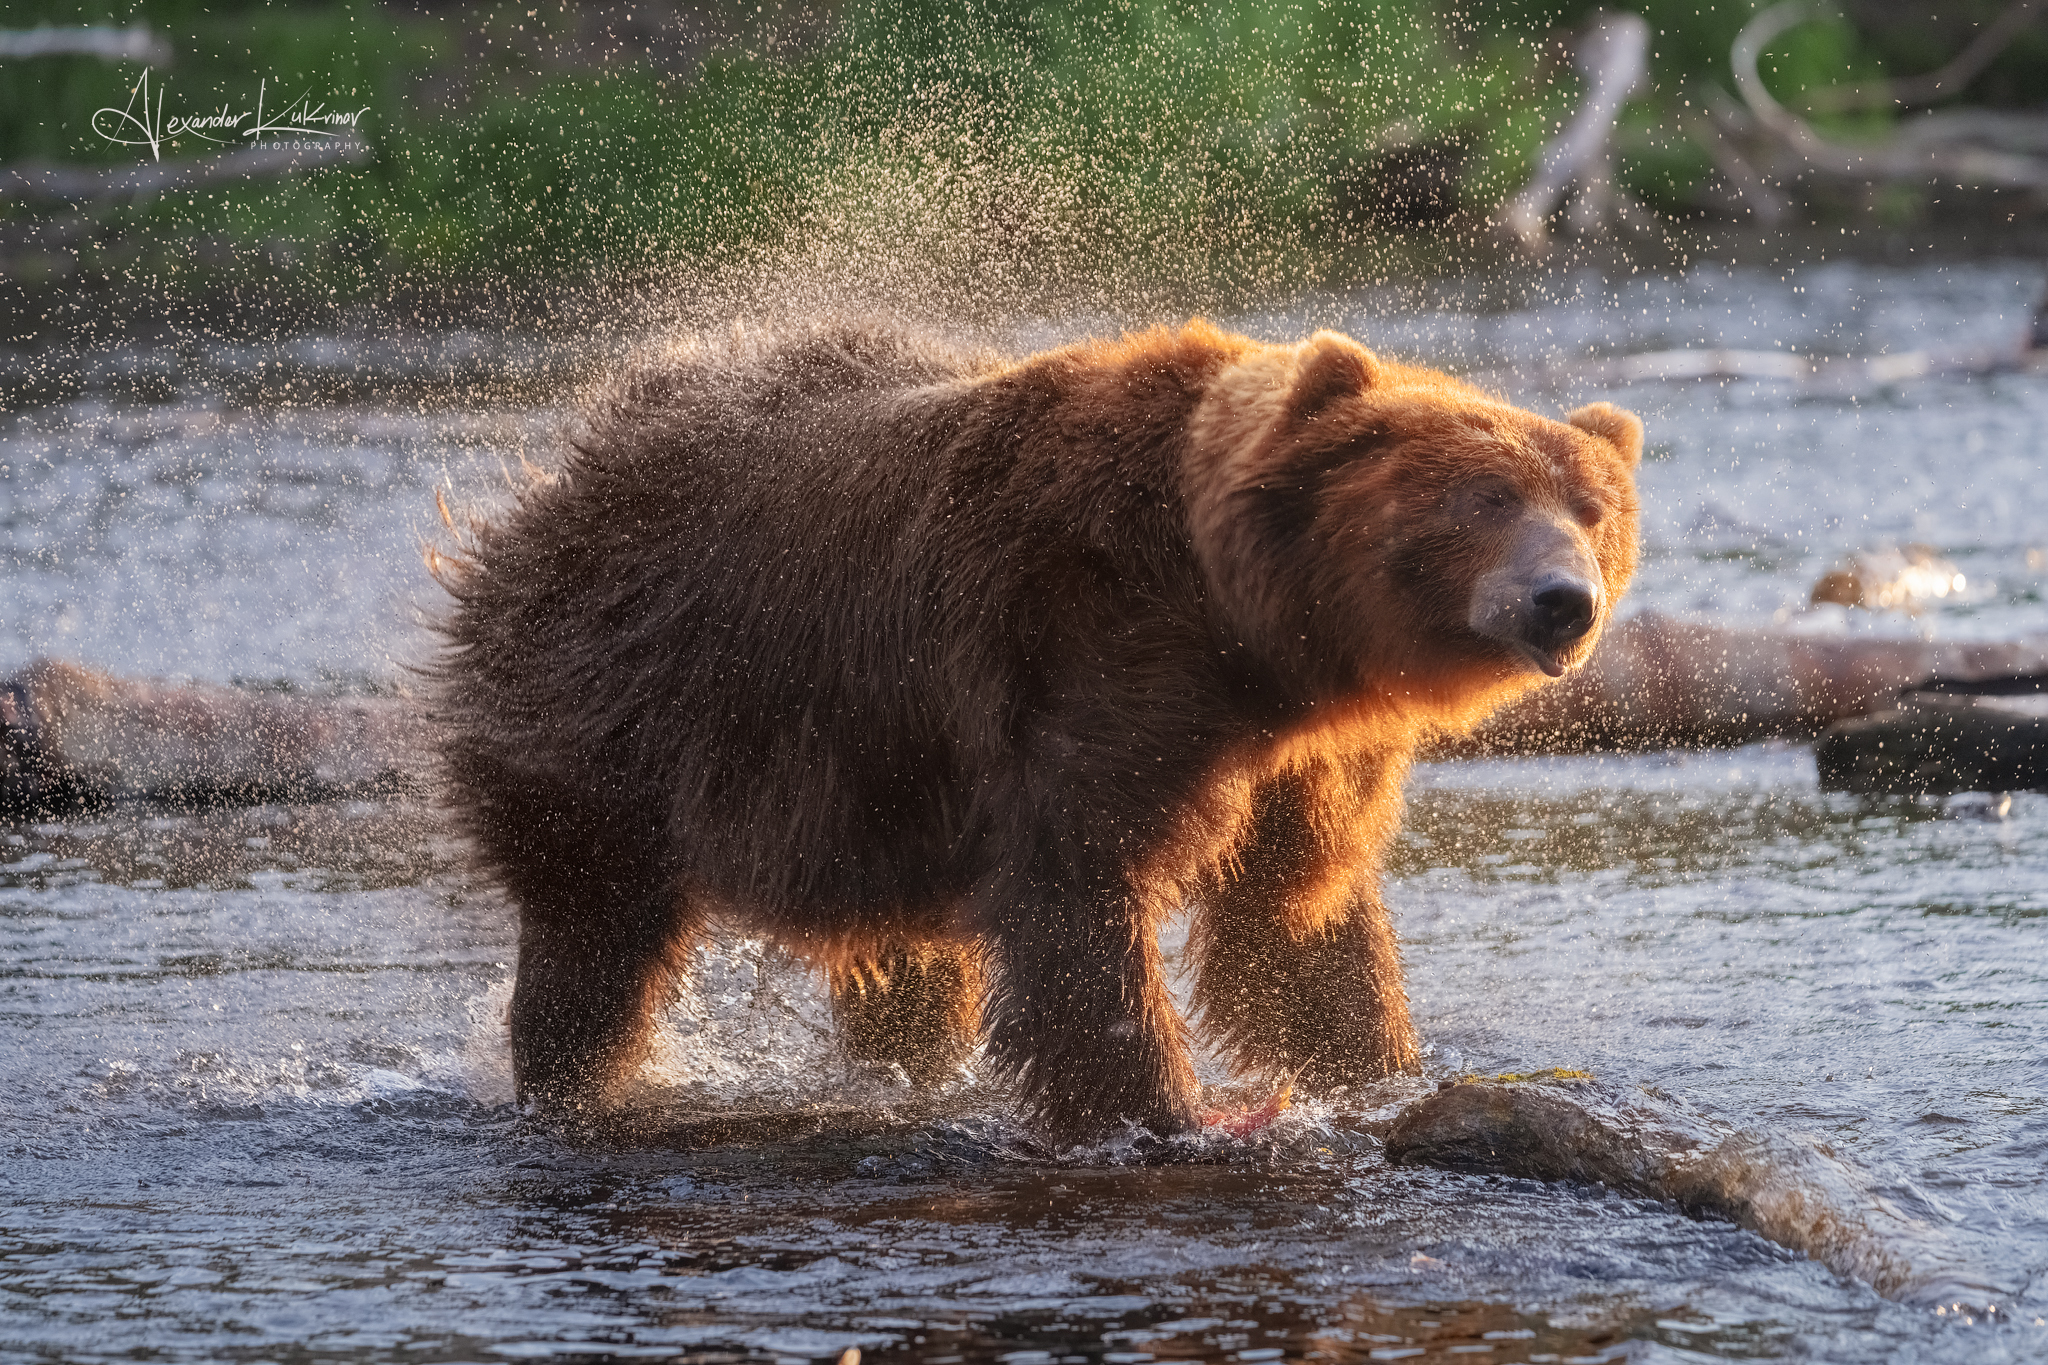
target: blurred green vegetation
<point>1222,142</point>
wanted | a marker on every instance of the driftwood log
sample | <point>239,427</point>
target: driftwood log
<point>1945,81</point>
<point>71,737</point>
<point>77,738</point>
<point>1656,682</point>
<point>1909,159</point>
<point>1816,376</point>
<point>1759,145</point>
<point>1613,54</point>
<point>2024,348</point>
<point>1948,737</point>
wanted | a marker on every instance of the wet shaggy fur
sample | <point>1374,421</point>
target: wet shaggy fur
<point>959,675</point>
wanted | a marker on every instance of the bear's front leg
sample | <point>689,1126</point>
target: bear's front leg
<point>1299,971</point>
<point>1078,1012</point>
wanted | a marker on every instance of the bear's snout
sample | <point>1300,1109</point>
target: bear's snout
<point>1562,609</point>
<point>1544,600</point>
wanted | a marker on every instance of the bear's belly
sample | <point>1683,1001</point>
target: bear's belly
<point>818,857</point>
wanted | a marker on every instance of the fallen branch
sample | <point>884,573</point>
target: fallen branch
<point>1964,164</point>
<point>1613,55</point>
<point>78,183</point>
<point>137,43</point>
<point>1820,377</point>
<point>1935,85</point>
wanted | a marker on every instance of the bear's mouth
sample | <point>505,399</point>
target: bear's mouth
<point>1549,663</point>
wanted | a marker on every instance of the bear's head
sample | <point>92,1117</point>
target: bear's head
<point>1370,528</point>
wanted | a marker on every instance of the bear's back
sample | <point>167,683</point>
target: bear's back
<point>709,400</point>
<point>717,608</point>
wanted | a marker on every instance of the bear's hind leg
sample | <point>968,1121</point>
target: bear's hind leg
<point>1323,1001</point>
<point>916,1005</point>
<point>604,935</point>
<point>1328,1008</point>
<point>592,980</point>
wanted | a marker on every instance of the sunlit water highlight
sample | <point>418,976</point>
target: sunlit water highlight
<point>253,1093</point>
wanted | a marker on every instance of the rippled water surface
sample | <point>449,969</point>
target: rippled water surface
<point>254,1098</point>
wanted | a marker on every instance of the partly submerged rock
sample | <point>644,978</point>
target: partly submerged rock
<point>1793,1191</point>
<point>1550,1131</point>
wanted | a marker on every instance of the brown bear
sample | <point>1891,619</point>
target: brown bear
<point>958,675</point>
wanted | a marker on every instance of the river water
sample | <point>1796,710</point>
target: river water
<point>254,1096</point>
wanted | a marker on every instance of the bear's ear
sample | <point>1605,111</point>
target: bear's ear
<point>1622,430</point>
<point>1329,366</point>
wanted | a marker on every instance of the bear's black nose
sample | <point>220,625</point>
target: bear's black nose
<point>1563,610</point>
